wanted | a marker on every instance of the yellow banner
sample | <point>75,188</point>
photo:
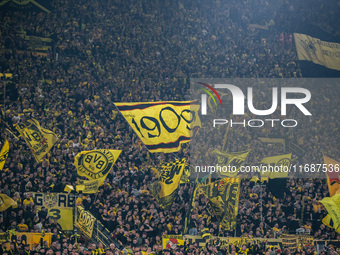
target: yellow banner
<point>6,202</point>
<point>290,242</point>
<point>165,189</point>
<point>172,241</point>
<point>85,221</point>
<point>234,159</point>
<point>319,52</point>
<point>38,139</point>
<point>32,239</point>
<point>332,205</point>
<point>276,166</point>
<point>333,177</point>
<point>96,164</point>
<point>88,187</point>
<point>3,154</point>
<point>223,197</point>
<point>58,205</point>
<point>162,126</point>
<point>237,241</point>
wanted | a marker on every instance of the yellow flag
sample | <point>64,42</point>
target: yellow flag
<point>96,164</point>
<point>3,154</point>
<point>223,197</point>
<point>333,177</point>
<point>88,187</point>
<point>38,139</point>
<point>328,221</point>
<point>165,189</point>
<point>319,52</point>
<point>85,221</point>
<point>276,166</point>
<point>6,202</point>
<point>186,174</point>
<point>234,159</point>
<point>172,241</point>
<point>332,205</point>
<point>162,126</point>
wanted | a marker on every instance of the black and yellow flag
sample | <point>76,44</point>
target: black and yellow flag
<point>234,159</point>
<point>332,205</point>
<point>162,126</point>
<point>170,242</point>
<point>38,139</point>
<point>328,221</point>
<point>280,166</point>
<point>223,196</point>
<point>88,187</point>
<point>6,202</point>
<point>3,154</point>
<point>186,174</point>
<point>96,164</point>
<point>319,52</point>
<point>165,189</point>
<point>85,221</point>
<point>333,177</point>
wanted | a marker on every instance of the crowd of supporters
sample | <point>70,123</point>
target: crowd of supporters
<point>132,51</point>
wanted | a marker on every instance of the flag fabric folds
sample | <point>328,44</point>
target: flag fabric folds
<point>3,154</point>
<point>95,164</point>
<point>328,221</point>
<point>186,174</point>
<point>162,126</point>
<point>6,202</point>
<point>165,189</point>
<point>333,177</point>
<point>223,196</point>
<point>332,205</point>
<point>38,139</point>
<point>319,52</point>
<point>172,241</point>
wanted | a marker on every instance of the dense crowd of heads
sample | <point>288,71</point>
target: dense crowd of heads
<point>132,51</point>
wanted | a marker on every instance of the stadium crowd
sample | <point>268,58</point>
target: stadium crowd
<point>131,51</point>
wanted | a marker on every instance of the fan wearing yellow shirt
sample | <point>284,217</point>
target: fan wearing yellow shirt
<point>22,226</point>
<point>28,199</point>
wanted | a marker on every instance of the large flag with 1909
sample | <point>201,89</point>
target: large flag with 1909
<point>162,126</point>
